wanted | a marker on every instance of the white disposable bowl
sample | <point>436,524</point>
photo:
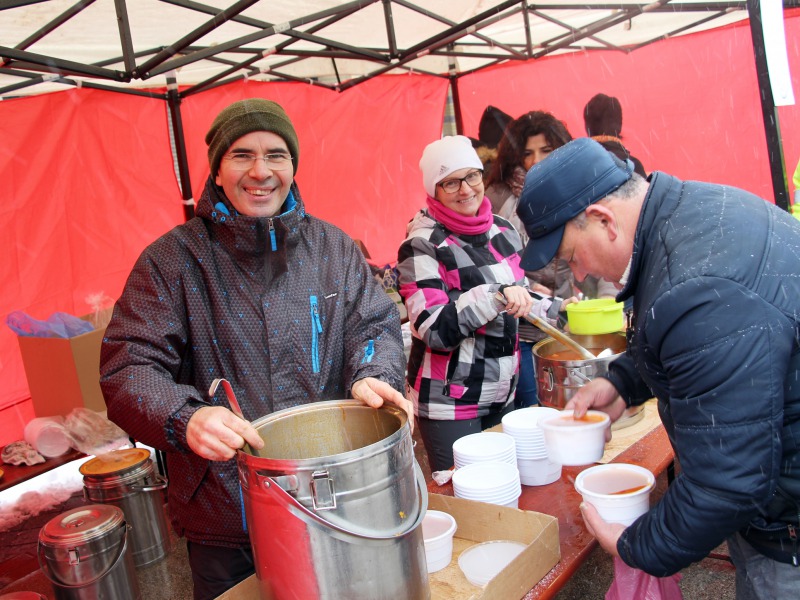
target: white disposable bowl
<point>484,561</point>
<point>597,485</point>
<point>525,420</point>
<point>438,529</point>
<point>572,443</point>
<point>485,476</point>
<point>538,472</point>
<point>487,445</point>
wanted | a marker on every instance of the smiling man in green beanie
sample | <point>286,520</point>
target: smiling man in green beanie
<point>259,292</point>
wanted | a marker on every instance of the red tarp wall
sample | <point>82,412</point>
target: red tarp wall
<point>86,182</point>
<point>690,104</point>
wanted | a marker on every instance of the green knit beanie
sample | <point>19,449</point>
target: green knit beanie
<point>246,116</point>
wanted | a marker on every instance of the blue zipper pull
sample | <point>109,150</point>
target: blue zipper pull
<point>369,352</point>
<point>273,242</point>
<point>316,329</point>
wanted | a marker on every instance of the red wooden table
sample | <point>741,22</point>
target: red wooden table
<point>561,500</point>
<point>12,475</point>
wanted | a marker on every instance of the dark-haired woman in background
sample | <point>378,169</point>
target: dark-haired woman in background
<point>527,141</point>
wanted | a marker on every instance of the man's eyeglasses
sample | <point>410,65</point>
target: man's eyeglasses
<point>451,186</point>
<point>244,161</point>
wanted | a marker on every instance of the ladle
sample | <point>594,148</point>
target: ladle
<point>235,408</point>
<point>229,393</point>
<point>552,331</point>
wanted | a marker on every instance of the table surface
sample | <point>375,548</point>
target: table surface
<point>12,475</point>
<point>561,500</point>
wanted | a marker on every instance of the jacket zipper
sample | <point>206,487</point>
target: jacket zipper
<point>273,242</point>
<point>316,329</point>
<point>369,352</point>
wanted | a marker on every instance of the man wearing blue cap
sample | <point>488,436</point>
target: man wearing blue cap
<point>714,276</point>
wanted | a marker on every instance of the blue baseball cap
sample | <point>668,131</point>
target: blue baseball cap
<point>561,187</point>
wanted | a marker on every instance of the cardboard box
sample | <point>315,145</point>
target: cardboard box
<point>478,522</point>
<point>64,373</point>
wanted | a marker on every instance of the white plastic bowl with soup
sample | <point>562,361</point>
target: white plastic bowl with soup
<point>574,442</point>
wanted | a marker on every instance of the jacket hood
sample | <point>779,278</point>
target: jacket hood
<point>421,220</point>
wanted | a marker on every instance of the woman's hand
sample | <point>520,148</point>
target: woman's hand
<point>518,301</point>
<point>570,300</point>
<point>374,392</point>
<point>215,433</point>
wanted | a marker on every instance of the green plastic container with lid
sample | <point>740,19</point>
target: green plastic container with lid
<point>595,317</point>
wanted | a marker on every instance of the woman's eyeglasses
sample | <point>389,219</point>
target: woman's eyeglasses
<point>451,186</point>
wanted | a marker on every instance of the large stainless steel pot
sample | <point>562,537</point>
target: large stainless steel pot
<point>334,504</point>
<point>560,374</point>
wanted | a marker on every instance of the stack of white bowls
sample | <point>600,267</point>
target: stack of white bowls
<point>491,482</point>
<point>535,468</point>
<point>487,446</point>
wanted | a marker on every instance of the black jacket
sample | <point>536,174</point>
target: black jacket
<point>715,278</point>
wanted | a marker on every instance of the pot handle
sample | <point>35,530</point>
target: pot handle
<point>159,484</point>
<point>290,503</point>
<point>49,574</point>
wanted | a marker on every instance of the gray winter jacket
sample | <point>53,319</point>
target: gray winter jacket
<point>285,308</point>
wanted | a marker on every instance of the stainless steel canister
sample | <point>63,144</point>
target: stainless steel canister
<point>334,504</point>
<point>127,479</point>
<point>85,553</point>
<point>559,378</point>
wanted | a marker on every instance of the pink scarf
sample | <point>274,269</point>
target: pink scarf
<point>462,224</point>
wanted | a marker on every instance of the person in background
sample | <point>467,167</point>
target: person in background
<point>713,273</point>
<point>490,131</point>
<point>256,290</point>
<point>527,141</point>
<point>462,370</point>
<point>602,117</point>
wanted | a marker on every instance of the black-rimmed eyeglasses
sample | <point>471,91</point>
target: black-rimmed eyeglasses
<point>472,179</point>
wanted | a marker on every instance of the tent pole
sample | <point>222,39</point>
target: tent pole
<point>174,103</point>
<point>768,111</point>
<point>456,105</point>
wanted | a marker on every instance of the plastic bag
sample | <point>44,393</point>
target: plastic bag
<point>630,583</point>
<point>92,433</point>
<point>58,324</point>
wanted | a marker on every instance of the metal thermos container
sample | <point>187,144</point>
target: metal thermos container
<point>127,479</point>
<point>334,504</point>
<point>85,553</point>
